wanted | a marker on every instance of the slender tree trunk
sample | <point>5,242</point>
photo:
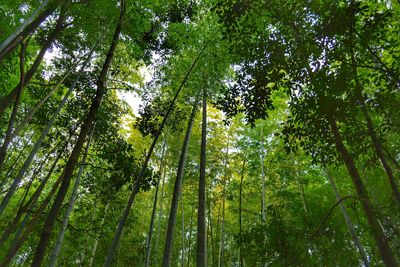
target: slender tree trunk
<point>183,229</point>
<point>241,260</point>
<point>73,159</point>
<point>30,204</point>
<point>160,214</point>
<point>380,239</point>
<point>211,228</point>
<point>190,239</point>
<point>222,245</point>
<point>371,131</point>
<point>28,27</point>
<point>8,138</point>
<point>60,237</point>
<point>96,242</point>
<point>263,210</point>
<point>201,216</point>
<point>39,142</point>
<point>6,101</point>
<point>138,180</point>
<point>177,189</point>
<point>18,243</point>
<point>153,214</point>
<point>350,225</point>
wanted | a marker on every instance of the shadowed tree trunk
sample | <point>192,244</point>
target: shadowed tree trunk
<point>376,231</point>
<point>201,216</point>
<point>241,260</point>
<point>177,189</point>
<point>73,159</point>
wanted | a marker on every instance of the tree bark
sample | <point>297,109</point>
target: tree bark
<point>139,177</point>
<point>201,216</point>
<point>263,210</point>
<point>73,159</point>
<point>177,189</point>
<point>378,235</point>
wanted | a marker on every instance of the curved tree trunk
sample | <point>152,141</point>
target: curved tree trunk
<point>177,189</point>
<point>201,216</point>
<point>135,190</point>
<point>73,159</point>
<point>376,231</point>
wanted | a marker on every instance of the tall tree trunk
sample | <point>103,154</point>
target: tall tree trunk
<point>153,214</point>
<point>183,229</point>
<point>241,260</point>
<point>30,203</point>
<point>96,242</point>
<point>135,190</point>
<point>74,194</point>
<point>350,225</point>
<point>8,136</point>
<point>222,245</point>
<point>16,245</point>
<point>73,159</point>
<point>201,216</point>
<point>177,189</point>
<point>211,228</point>
<point>29,26</point>
<point>361,98</point>
<point>190,239</point>
<point>39,142</point>
<point>160,214</point>
<point>380,239</point>
<point>6,101</point>
<point>263,210</point>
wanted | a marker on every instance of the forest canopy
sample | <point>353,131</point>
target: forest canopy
<point>207,133</point>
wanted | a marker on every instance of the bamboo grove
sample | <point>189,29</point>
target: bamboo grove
<point>199,133</point>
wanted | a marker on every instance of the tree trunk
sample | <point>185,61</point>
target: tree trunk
<point>160,214</point>
<point>29,26</point>
<point>39,142</point>
<point>201,216</point>
<point>183,229</point>
<point>8,139</point>
<point>380,239</point>
<point>73,159</point>
<point>263,210</point>
<point>135,190</point>
<point>222,245</point>
<point>31,202</point>
<point>18,243</point>
<point>177,189</point>
<point>346,216</point>
<point>241,260</point>
<point>153,214</point>
<point>60,237</point>
<point>96,242</point>
<point>190,239</point>
<point>361,98</point>
<point>6,101</point>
